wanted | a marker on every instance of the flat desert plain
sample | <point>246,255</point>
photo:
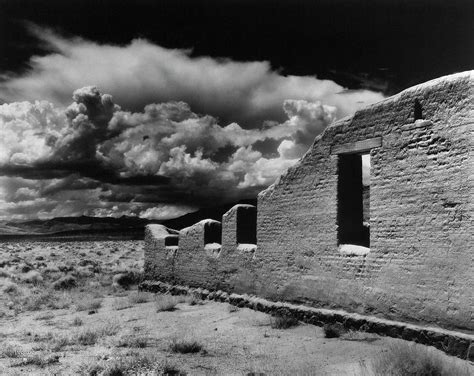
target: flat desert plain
<point>72,308</point>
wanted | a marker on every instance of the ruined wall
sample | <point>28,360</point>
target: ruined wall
<point>208,254</point>
<point>420,264</point>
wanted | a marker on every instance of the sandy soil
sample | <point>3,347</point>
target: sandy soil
<point>96,324</point>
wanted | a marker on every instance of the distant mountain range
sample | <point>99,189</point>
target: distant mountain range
<point>85,227</point>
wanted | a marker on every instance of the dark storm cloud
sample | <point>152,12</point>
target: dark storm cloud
<point>93,157</point>
<point>142,72</point>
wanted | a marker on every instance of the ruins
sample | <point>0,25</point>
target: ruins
<point>408,161</point>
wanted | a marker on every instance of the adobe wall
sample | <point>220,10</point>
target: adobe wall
<point>198,260</point>
<point>420,265</point>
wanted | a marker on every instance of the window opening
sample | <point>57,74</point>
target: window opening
<point>353,195</point>
<point>247,225</point>
<point>212,232</point>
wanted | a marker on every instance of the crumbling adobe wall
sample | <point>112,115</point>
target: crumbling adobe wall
<point>159,258</point>
<point>420,265</point>
<point>208,254</point>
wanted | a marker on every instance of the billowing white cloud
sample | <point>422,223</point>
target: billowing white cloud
<point>104,157</point>
<point>189,131</point>
<point>142,72</point>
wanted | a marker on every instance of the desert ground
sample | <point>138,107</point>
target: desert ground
<point>73,308</point>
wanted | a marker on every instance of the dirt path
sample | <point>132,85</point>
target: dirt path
<point>235,342</point>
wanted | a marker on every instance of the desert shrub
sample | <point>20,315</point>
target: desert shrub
<point>45,316</point>
<point>77,322</point>
<point>11,351</point>
<point>283,322</point>
<point>82,273</point>
<point>24,267</point>
<point>87,337</point>
<point>334,330</point>
<point>52,269</point>
<point>40,299</point>
<point>167,302</point>
<point>90,336</point>
<point>193,300</point>
<point>171,370</point>
<point>119,304</point>
<point>65,268</point>
<point>4,273</point>
<point>232,308</point>
<point>40,360</point>
<point>108,329</point>
<point>42,337</point>
<point>133,341</point>
<point>404,359</point>
<point>36,301</point>
<point>34,277</point>
<point>88,303</point>
<point>60,343</point>
<point>137,297</point>
<point>135,364</point>
<point>60,300</point>
<point>185,346</point>
<point>127,279</point>
<point>65,283</point>
<point>10,288</point>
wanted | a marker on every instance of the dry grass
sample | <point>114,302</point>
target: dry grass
<point>283,322</point>
<point>45,316</point>
<point>138,297</point>
<point>133,341</point>
<point>77,322</point>
<point>39,360</point>
<point>87,337</point>
<point>36,300</point>
<point>119,304</point>
<point>409,359</point>
<point>108,329</point>
<point>184,346</point>
<point>88,303</point>
<point>90,336</point>
<point>133,364</point>
<point>167,302</point>
<point>60,343</point>
<point>193,300</point>
<point>11,351</point>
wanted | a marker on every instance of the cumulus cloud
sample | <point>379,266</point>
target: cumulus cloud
<point>142,72</point>
<point>188,132</point>
<point>92,157</point>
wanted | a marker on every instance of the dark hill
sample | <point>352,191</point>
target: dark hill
<point>215,213</point>
<point>84,227</point>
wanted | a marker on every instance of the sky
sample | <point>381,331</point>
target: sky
<point>158,108</point>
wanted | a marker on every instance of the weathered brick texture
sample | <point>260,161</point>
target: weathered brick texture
<point>420,264</point>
